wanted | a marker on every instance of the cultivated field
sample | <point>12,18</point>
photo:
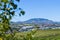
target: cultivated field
<point>53,34</point>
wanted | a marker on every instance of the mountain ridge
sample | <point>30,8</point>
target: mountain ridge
<point>37,21</point>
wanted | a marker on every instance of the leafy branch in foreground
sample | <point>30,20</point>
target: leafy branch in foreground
<point>7,11</point>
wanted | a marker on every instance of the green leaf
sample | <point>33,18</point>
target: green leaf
<point>10,17</point>
<point>12,13</point>
<point>0,4</point>
<point>14,6</point>
<point>4,5</point>
<point>18,0</point>
<point>22,12</point>
<point>5,1</point>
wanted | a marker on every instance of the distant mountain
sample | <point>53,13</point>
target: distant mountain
<point>39,21</point>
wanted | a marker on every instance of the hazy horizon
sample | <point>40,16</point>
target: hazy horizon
<point>48,9</point>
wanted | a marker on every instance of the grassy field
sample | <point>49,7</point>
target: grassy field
<point>40,35</point>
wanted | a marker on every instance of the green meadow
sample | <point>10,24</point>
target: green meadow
<point>53,34</point>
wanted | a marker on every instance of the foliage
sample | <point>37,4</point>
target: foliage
<point>30,36</point>
<point>7,11</point>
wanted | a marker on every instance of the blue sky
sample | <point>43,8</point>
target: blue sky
<point>49,9</point>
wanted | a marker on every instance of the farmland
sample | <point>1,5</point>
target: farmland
<point>53,34</point>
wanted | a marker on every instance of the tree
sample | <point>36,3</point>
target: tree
<point>7,11</point>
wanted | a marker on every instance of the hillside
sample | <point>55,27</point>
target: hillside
<point>30,24</point>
